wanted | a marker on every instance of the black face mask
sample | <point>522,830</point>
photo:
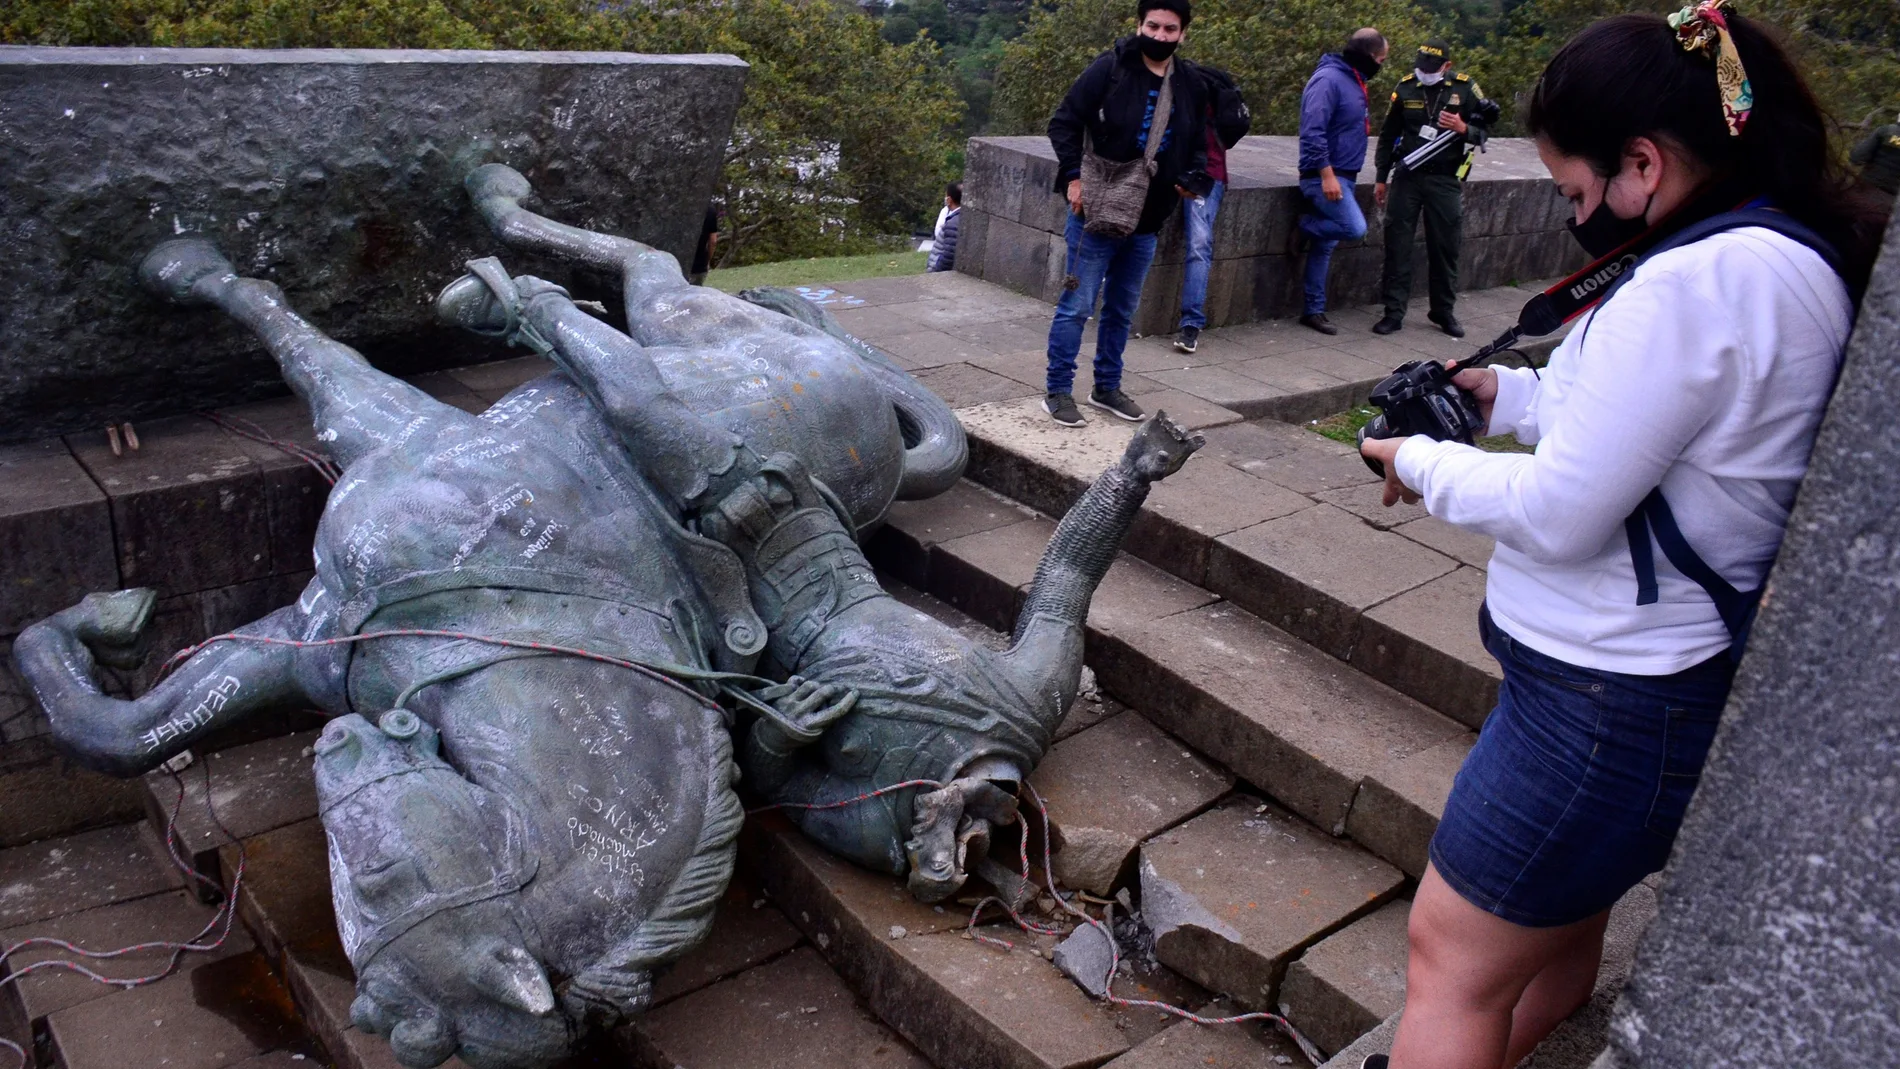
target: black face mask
<point>1367,67</point>
<point>1604,231</point>
<point>1155,50</point>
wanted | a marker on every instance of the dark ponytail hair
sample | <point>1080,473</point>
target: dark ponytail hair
<point>1627,77</point>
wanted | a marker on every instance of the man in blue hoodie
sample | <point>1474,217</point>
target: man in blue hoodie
<point>1335,120</point>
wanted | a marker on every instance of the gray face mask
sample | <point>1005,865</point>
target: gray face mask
<point>1429,79</point>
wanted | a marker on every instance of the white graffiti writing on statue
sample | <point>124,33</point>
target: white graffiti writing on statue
<point>181,726</point>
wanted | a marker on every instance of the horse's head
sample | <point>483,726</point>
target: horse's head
<point>425,870</point>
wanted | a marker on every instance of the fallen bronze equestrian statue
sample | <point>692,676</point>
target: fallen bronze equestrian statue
<point>540,630</point>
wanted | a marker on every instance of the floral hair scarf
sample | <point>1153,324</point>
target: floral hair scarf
<point>1703,27</point>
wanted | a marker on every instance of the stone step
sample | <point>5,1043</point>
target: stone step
<point>1338,748</point>
<point>55,877</point>
<point>1286,524</point>
<point>958,1001</point>
<point>237,793</point>
<point>174,916</point>
<point>1234,895</point>
<point>1187,1045</point>
<point>224,1013</point>
<point>1344,985</point>
<point>791,1013</point>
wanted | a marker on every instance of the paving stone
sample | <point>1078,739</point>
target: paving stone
<point>1366,501</point>
<point>279,1059</point>
<point>1114,785</point>
<point>1347,983</point>
<point>189,508</point>
<point>1022,334</point>
<point>1399,804</point>
<point>285,901</point>
<point>891,289</point>
<point>1194,413</point>
<point>1377,1041</point>
<point>226,1012</point>
<point>1465,547</point>
<point>1253,440</point>
<point>42,794</point>
<point>252,789</point>
<point>78,872</point>
<point>1425,642</point>
<point>963,385</point>
<point>1248,396</point>
<point>964,1003</point>
<point>912,528</point>
<point>873,323</point>
<point>492,381</point>
<point>174,916</point>
<point>747,931</point>
<point>1202,501</point>
<point>790,1014</point>
<point>1300,725</point>
<point>1308,465</point>
<point>922,349</point>
<point>55,534</point>
<point>827,897</point>
<point>985,574</point>
<point>1287,374</point>
<point>1187,1045</point>
<point>1149,355</point>
<point>1314,572</point>
<point>1341,362</point>
<point>1236,893</point>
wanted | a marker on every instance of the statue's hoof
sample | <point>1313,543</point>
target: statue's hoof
<point>170,271</point>
<point>469,303</point>
<point>497,180</point>
<point>1161,446</point>
<point>117,618</point>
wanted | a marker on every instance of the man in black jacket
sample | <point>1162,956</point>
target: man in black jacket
<point>1114,102</point>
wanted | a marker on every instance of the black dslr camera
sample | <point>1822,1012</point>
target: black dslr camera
<point>1420,398</point>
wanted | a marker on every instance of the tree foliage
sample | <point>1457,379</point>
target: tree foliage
<point>1850,49</point>
<point>842,135</point>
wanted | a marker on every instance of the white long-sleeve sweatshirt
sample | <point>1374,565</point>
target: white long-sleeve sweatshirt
<point>1706,373</point>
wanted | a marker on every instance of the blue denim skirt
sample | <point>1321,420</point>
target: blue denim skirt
<point>1577,785</point>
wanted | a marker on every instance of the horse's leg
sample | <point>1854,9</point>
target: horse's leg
<point>694,461</point>
<point>355,408</point>
<point>219,685</point>
<point>497,190</point>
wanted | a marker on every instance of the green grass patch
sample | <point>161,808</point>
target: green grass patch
<point>818,269</point>
<point>1344,427</point>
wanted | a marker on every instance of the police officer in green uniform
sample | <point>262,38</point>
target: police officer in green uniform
<point>1430,102</point>
<point>1878,157</point>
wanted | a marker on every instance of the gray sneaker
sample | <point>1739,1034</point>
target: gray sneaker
<point>1188,340</point>
<point>1117,403</point>
<point>1061,408</point>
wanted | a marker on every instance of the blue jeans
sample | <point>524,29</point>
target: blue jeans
<point>1199,217</point>
<point>1329,223</point>
<point>1112,269</point>
<point>1577,785</point>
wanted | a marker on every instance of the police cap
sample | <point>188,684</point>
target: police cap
<point>1432,55</point>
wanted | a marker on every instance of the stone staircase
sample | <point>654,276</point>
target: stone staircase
<point>1286,679</point>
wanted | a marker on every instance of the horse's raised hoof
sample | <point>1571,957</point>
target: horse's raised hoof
<point>170,271</point>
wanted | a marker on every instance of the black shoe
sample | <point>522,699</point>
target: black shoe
<point>1319,322</point>
<point>1391,324</point>
<point>1061,408</point>
<point>1117,403</point>
<point>1189,338</point>
<point>1449,324</point>
<point>1374,1061</point>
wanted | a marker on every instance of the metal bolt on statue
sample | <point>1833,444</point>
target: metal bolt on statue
<point>539,628</point>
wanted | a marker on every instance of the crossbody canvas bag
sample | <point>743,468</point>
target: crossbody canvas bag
<point>1113,193</point>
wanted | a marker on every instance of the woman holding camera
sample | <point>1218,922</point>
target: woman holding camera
<point>1699,383</point>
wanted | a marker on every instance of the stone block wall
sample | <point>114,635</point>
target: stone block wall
<point>336,174</point>
<point>1012,231</point>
